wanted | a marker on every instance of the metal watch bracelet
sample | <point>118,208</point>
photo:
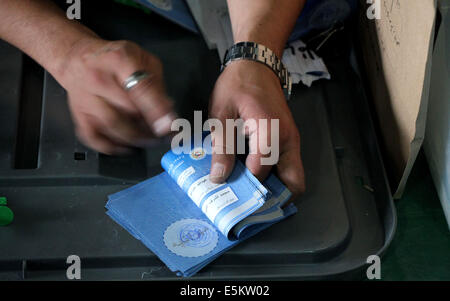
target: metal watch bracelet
<point>260,53</point>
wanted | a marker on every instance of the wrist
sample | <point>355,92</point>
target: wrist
<point>247,67</point>
<point>73,50</point>
<point>262,55</point>
<point>274,45</point>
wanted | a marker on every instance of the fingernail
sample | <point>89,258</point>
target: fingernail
<point>217,171</point>
<point>163,124</point>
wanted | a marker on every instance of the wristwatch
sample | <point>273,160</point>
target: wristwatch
<point>260,53</point>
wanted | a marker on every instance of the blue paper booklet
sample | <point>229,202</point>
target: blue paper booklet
<point>188,221</point>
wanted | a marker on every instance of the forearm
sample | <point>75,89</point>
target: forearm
<point>268,22</point>
<point>41,30</point>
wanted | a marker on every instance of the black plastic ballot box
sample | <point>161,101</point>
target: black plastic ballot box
<point>57,188</point>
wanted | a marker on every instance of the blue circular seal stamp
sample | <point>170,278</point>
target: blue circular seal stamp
<point>190,237</point>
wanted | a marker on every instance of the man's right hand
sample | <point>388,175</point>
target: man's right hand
<point>108,118</point>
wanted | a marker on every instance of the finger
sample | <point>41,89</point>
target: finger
<point>118,126</point>
<point>154,105</point>
<point>106,86</point>
<point>88,133</point>
<point>149,95</point>
<point>254,160</point>
<point>223,154</point>
<point>291,172</point>
<point>253,163</point>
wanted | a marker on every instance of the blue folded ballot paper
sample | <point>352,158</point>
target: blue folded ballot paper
<point>188,221</point>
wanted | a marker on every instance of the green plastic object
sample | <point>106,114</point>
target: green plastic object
<point>6,214</point>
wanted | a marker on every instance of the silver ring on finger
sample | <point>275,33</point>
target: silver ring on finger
<point>134,79</point>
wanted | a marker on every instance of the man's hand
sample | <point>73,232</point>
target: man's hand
<point>250,90</point>
<point>108,118</point>
<point>92,70</point>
